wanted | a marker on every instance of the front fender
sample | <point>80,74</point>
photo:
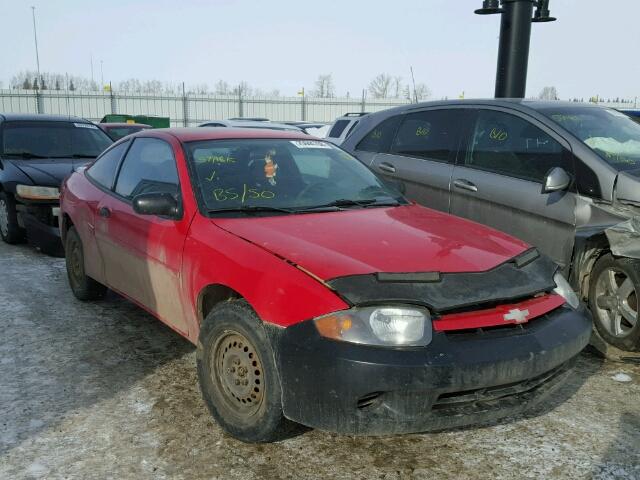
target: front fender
<point>280,293</point>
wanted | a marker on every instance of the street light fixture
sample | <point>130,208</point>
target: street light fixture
<point>542,12</point>
<point>489,7</point>
<point>515,37</point>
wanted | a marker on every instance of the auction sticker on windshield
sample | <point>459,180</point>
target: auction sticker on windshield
<point>310,144</point>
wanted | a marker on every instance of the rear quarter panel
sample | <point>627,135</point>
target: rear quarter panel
<point>79,200</point>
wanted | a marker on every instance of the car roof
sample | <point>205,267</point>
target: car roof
<point>251,124</point>
<point>197,133</point>
<point>506,102</point>
<point>123,124</point>
<point>10,117</point>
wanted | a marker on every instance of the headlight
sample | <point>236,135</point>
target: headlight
<point>564,290</point>
<point>38,193</point>
<point>382,326</point>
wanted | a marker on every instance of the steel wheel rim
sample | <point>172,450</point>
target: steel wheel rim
<point>616,302</point>
<point>76,268</point>
<point>237,370</point>
<point>4,218</point>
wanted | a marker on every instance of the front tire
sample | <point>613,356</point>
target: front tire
<point>10,231</point>
<point>613,299</point>
<point>238,374</point>
<point>83,287</point>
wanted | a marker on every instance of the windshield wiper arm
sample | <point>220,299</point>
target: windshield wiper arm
<point>251,209</point>
<point>83,155</point>
<point>344,202</point>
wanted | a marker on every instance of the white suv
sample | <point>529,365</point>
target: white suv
<point>343,126</point>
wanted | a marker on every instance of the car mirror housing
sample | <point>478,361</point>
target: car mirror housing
<point>159,204</point>
<point>557,179</point>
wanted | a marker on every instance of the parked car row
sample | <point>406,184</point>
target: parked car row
<point>318,294</point>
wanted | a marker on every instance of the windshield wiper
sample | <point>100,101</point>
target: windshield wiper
<point>83,155</point>
<point>24,154</point>
<point>344,202</point>
<point>251,209</point>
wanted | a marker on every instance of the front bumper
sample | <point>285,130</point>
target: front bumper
<point>42,226</point>
<point>459,379</point>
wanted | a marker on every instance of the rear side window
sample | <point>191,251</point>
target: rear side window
<point>351,128</point>
<point>149,167</point>
<point>431,135</point>
<point>338,128</point>
<point>103,171</point>
<point>379,139</point>
<point>509,145</point>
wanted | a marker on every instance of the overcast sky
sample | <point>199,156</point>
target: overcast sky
<point>285,44</point>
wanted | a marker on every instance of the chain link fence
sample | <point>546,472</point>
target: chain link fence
<point>188,109</point>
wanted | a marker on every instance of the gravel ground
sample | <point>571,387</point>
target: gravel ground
<point>103,390</point>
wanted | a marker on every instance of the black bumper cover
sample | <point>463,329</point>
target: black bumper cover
<point>459,379</point>
<point>41,235</point>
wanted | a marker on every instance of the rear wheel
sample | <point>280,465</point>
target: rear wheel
<point>238,374</point>
<point>613,298</point>
<point>10,231</point>
<point>83,287</point>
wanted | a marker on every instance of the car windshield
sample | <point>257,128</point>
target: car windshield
<point>611,134</point>
<point>38,139</point>
<point>284,176</point>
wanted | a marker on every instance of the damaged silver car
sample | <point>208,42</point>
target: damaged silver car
<point>562,176</point>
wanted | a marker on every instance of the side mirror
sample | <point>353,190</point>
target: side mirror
<point>159,204</point>
<point>557,179</point>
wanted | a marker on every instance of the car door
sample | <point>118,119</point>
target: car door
<point>142,254</point>
<point>102,175</point>
<point>499,179</point>
<point>422,154</point>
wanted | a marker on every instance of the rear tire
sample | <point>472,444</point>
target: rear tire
<point>10,231</point>
<point>238,374</point>
<point>83,287</point>
<point>613,299</point>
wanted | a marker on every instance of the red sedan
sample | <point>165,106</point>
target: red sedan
<point>317,294</point>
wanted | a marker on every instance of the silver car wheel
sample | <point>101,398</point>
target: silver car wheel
<point>4,218</point>
<point>617,302</point>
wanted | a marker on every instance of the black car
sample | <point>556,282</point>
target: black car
<point>36,153</point>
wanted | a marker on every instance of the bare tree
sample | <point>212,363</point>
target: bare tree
<point>222,88</point>
<point>243,89</point>
<point>397,87</point>
<point>548,93</point>
<point>324,87</point>
<point>422,92</point>
<point>380,86</point>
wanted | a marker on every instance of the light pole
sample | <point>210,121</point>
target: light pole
<point>35,38</point>
<point>515,37</point>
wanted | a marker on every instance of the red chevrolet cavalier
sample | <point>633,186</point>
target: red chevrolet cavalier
<point>316,294</point>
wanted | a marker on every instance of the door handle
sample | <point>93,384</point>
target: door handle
<point>465,185</point>
<point>387,167</point>
<point>104,212</point>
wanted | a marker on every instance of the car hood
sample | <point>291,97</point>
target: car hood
<point>48,172</point>
<point>398,239</point>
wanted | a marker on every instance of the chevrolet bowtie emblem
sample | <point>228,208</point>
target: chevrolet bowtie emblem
<point>516,315</point>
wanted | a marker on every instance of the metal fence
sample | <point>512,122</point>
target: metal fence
<point>188,109</point>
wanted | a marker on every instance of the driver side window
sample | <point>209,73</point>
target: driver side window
<point>509,145</point>
<point>149,167</point>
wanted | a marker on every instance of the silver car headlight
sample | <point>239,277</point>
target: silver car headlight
<point>564,290</point>
<point>389,326</point>
<point>31,192</point>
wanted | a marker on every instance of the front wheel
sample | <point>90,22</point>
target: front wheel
<point>10,231</point>
<point>613,299</point>
<point>238,375</point>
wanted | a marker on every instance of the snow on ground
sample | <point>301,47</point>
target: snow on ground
<point>103,390</point>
